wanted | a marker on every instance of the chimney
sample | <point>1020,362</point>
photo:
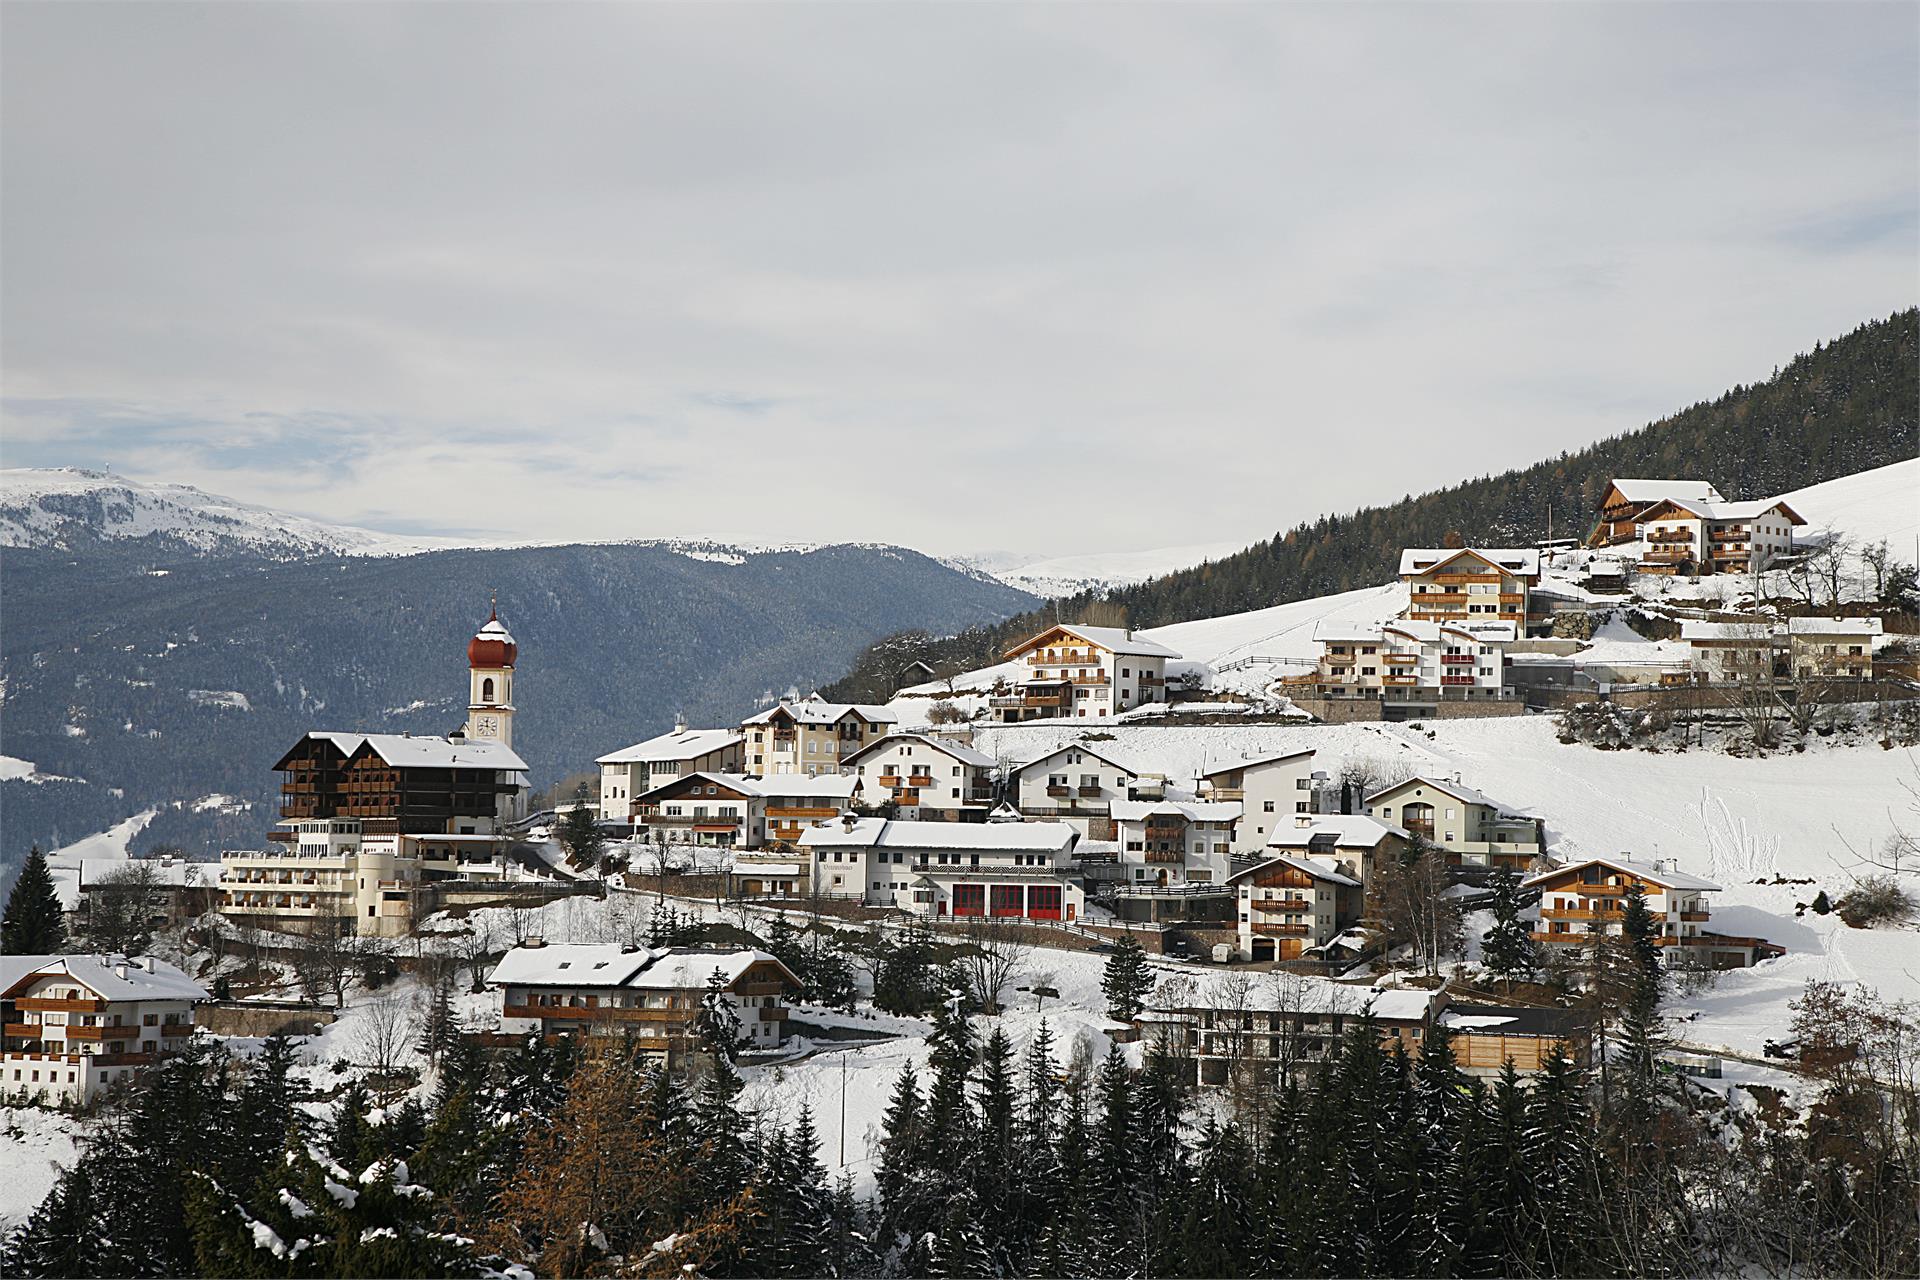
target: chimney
<point>534,943</point>
<point>120,970</point>
<point>679,722</point>
<point>146,962</point>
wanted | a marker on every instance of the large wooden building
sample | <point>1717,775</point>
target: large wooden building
<point>399,783</point>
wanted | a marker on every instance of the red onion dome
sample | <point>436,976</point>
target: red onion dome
<point>492,646</point>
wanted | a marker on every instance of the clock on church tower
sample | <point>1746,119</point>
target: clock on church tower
<point>490,656</point>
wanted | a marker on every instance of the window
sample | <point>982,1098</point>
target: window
<point>1268,806</point>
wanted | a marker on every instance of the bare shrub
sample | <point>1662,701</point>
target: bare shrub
<point>1877,900</point>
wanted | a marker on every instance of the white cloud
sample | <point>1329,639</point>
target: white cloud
<point>606,271</point>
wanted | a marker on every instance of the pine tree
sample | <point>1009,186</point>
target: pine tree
<point>34,924</point>
<point>1507,947</point>
<point>995,1162</point>
<point>1115,1172</point>
<point>1441,1117</point>
<point>1128,980</point>
<point>903,1154</point>
<point>1216,1232</point>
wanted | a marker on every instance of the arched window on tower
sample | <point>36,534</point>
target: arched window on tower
<point>486,689</point>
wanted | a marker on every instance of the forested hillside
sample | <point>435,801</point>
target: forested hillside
<point>1846,406</point>
<point>141,674</point>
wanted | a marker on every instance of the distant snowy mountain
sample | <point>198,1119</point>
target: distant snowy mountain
<point>64,508</point>
<point>1097,571</point>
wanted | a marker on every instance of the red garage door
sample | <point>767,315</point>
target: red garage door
<point>1006,900</point>
<point>1043,902</point>
<point>969,899</point>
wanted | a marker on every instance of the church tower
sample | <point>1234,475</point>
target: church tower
<point>490,656</point>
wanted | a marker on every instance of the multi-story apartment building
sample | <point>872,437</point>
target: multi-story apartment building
<point>1290,1023</point>
<point>343,869</point>
<point>1288,903</point>
<point>1019,870</point>
<point>810,736</point>
<point>1626,501</point>
<point>1076,671</point>
<point>75,1025</point>
<point>1351,840</point>
<point>1733,652</point>
<point>1832,647</point>
<point>740,811</point>
<point>1270,790</point>
<point>924,778</point>
<point>1078,783</point>
<point>1469,584</point>
<point>1414,662</point>
<point>630,772</point>
<point>1583,898</point>
<point>1175,843</point>
<point>649,998</point>
<point>1474,829</point>
<point>1689,537</point>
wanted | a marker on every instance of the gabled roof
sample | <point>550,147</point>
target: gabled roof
<point>1349,831</point>
<point>824,786</point>
<point>1119,640</point>
<point>1835,627</point>
<point>817,710</point>
<point>1724,510</point>
<point>1272,757</point>
<point>1522,561</point>
<point>883,833</point>
<point>1464,794</point>
<point>1757,632</point>
<point>1191,810</point>
<point>680,744</point>
<point>1097,751</point>
<point>965,755</point>
<point>421,751</point>
<point>1665,878</point>
<point>110,977</point>
<point>1656,490</point>
<point>573,964</point>
<point>1314,867</point>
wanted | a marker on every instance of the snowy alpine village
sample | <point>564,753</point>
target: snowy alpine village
<point>1121,640</point>
<point>1539,912</point>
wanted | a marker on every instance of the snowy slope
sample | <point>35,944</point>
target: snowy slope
<point>55,506</point>
<point>1882,505</point>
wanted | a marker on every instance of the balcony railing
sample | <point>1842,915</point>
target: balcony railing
<point>1457,659</point>
<point>1266,930</point>
<point>1446,680</point>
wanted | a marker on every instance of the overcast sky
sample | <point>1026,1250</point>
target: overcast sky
<point>1050,278</point>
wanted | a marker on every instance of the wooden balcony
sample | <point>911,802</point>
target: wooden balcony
<point>598,1013</point>
<point>1694,917</point>
<point>46,1004</point>
<point>1670,538</point>
<point>1401,659</point>
<point>1166,855</point>
<point>1668,555</point>
<point>1061,790</point>
<point>1338,660</point>
<point>1283,904</point>
<point>1456,679</point>
<point>1265,930</point>
<point>29,1030</point>
<point>1400,679</point>
<point>1093,791</point>
<point>1456,659</point>
<point>1609,914</point>
<point>889,779</point>
<point>920,780</point>
<point>1454,579</point>
<point>1424,598</point>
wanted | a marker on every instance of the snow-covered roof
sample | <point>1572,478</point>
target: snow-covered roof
<point>1272,757</point>
<point>817,710</point>
<point>964,754</point>
<point>1117,640</point>
<point>1421,631</point>
<point>1349,831</point>
<point>1736,510</point>
<point>821,786</point>
<point>1191,810</point>
<point>1678,490</point>
<point>1835,626</point>
<point>1300,993</point>
<point>1098,751</point>
<point>494,629</point>
<point>680,744</point>
<point>1662,876</point>
<point>111,977</point>
<point>1524,561</point>
<point>425,751</point>
<point>883,833</point>
<point>1452,787</point>
<point>1753,632</point>
<point>583,964</point>
<point>748,866</point>
<point>1318,868</point>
